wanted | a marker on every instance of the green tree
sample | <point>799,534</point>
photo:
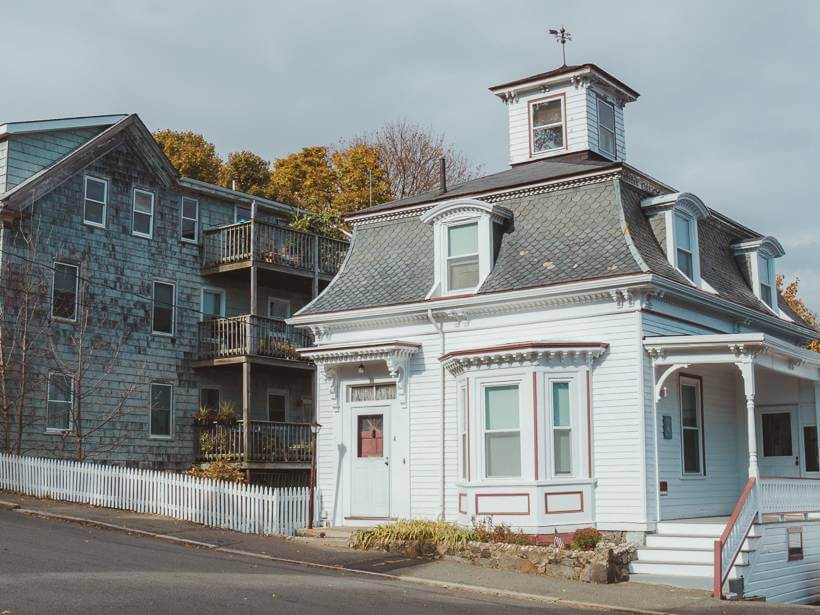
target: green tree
<point>251,173</point>
<point>191,154</point>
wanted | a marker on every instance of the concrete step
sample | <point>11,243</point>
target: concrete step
<point>684,528</point>
<point>689,556</point>
<point>679,569</point>
<point>704,583</point>
<point>672,541</point>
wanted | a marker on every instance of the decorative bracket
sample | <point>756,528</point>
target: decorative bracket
<point>660,390</point>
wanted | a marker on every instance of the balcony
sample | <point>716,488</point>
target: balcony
<point>244,244</point>
<point>255,338</point>
<point>270,444</point>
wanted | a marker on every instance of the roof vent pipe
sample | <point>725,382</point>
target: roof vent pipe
<point>442,175</point>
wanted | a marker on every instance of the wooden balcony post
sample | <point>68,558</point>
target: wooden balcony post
<point>254,280</point>
<point>246,411</point>
<point>315,290</point>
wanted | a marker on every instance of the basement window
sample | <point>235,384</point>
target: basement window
<point>794,537</point>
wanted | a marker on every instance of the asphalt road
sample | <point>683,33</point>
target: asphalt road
<point>49,566</point>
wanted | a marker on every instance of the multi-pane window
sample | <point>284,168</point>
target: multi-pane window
<point>95,201</point>
<point>373,392</point>
<point>462,430</point>
<point>691,426</point>
<point>764,273</point>
<point>189,225</point>
<point>213,303</point>
<point>65,291</point>
<point>163,308</point>
<point>161,416</point>
<point>561,428</point>
<point>142,218</point>
<point>462,256</point>
<point>60,401</point>
<point>547,125</point>
<point>684,240</point>
<point>502,433</point>
<point>606,127</point>
<point>209,398</point>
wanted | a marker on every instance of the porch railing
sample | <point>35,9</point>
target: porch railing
<point>276,245</point>
<point>779,496</point>
<point>238,336</point>
<point>268,442</point>
<point>728,546</point>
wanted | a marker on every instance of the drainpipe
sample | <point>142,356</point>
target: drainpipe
<point>440,328</point>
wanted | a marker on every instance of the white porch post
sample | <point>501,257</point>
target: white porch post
<point>747,370</point>
<point>817,412</point>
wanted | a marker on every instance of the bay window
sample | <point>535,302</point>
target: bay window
<point>462,431</point>
<point>502,434</point>
<point>561,428</point>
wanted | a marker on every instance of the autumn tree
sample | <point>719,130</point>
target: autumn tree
<point>305,178</point>
<point>250,171</point>
<point>191,154</point>
<point>410,154</point>
<point>361,179</point>
<point>791,297</point>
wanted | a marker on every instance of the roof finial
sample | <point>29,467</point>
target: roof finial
<point>562,36</point>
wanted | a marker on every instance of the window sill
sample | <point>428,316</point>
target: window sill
<point>165,335</point>
<point>63,319</point>
<point>193,242</point>
<point>141,236</point>
<point>57,432</point>
<point>518,482</point>
<point>161,438</point>
<point>693,477</point>
<point>95,224</point>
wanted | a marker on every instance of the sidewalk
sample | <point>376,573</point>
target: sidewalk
<point>629,597</point>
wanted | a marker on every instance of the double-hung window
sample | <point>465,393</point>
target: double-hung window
<point>65,291</point>
<point>95,201</point>
<point>60,402</point>
<point>764,273</point>
<point>162,320</point>
<point>189,223</point>
<point>462,256</point>
<point>691,421</point>
<point>142,216</point>
<point>547,125</point>
<point>502,432</point>
<point>684,245</point>
<point>213,303</point>
<point>161,416</point>
<point>606,127</point>
<point>462,430</point>
<point>561,428</point>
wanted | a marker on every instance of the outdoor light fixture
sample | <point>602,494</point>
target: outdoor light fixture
<point>360,369</point>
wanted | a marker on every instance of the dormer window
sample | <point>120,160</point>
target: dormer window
<point>684,245</point>
<point>463,242</point>
<point>674,218</point>
<point>547,122</point>
<point>606,127</point>
<point>756,258</point>
<point>462,256</point>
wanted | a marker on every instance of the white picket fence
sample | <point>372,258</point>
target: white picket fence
<point>251,509</point>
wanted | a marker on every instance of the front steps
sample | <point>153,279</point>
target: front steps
<point>681,552</point>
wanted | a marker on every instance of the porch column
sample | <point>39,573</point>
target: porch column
<point>817,412</point>
<point>254,297</point>
<point>747,370</point>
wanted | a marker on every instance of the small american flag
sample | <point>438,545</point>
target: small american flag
<point>557,540</point>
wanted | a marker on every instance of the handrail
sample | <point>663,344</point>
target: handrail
<point>730,543</point>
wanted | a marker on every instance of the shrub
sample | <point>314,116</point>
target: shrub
<point>204,416</point>
<point>433,532</point>
<point>226,415</point>
<point>586,539</point>
<point>219,470</point>
<point>486,531</point>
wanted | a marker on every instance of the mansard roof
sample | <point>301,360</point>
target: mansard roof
<point>578,227</point>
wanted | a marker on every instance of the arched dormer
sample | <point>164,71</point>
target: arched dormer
<point>756,259</point>
<point>464,234</point>
<point>674,219</point>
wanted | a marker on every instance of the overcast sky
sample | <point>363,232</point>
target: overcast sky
<point>729,90</point>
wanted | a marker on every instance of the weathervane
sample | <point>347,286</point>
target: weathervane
<point>562,36</point>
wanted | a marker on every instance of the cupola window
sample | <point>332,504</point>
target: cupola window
<point>547,125</point>
<point>606,127</point>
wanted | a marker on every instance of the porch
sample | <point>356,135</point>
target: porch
<point>262,445</point>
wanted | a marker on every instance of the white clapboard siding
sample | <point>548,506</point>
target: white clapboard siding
<point>251,509</point>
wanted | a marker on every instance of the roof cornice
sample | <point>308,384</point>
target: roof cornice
<point>523,354</point>
<point>768,244</point>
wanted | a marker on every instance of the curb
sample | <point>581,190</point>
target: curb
<point>335,568</point>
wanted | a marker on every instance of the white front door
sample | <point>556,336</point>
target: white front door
<point>778,442</point>
<point>370,470</point>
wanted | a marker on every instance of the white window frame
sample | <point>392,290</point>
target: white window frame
<point>76,291</point>
<point>104,202</point>
<point>572,429</point>
<point>463,257</point>
<point>614,152</point>
<point>496,383</point>
<point>563,124</point>
<point>171,422</point>
<point>463,432</point>
<point>700,429</point>
<point>49,401</point>
<point>134,212</point>
<point>173,307</point>
<point>279,301</point>
<point>281,393</point>
<point>216,291</point>
<point>183,218</point>
<point>692,224</point>
<point>211,387</point>
<point>758,279</point>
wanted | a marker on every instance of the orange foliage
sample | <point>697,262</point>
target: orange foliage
<point>789,293</point>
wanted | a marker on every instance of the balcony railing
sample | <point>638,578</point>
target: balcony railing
<point>268,442</point>
<point>265,243</point>
<point>240,336</point>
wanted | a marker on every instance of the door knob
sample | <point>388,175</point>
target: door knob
<point>387,461</point>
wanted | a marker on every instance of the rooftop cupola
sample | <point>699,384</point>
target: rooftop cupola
<point>569,109</point>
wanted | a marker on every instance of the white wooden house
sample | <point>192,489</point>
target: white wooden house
<point>573,343</point>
